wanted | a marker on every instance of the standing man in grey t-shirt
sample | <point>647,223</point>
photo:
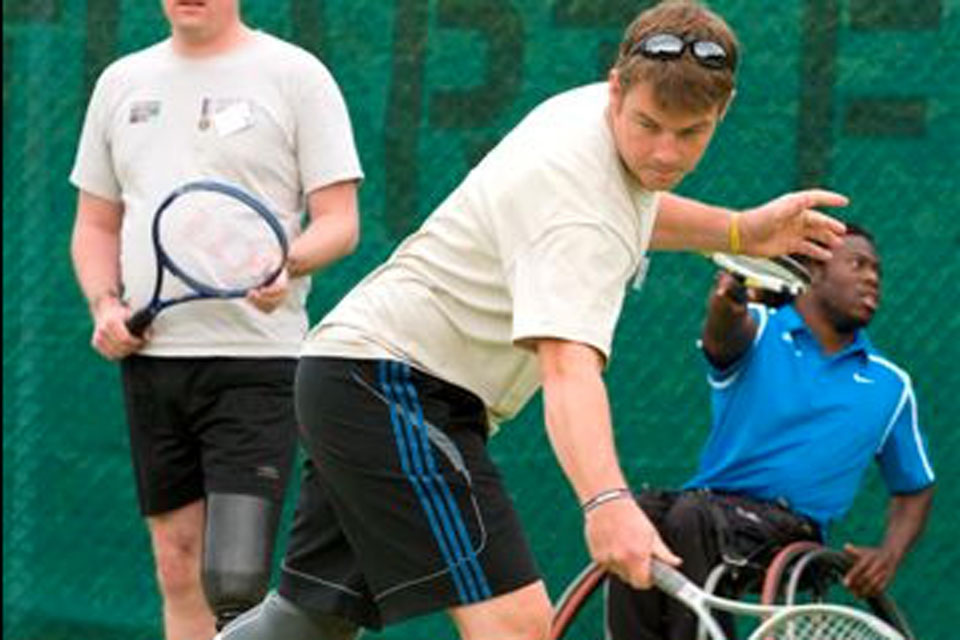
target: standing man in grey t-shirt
<point>209,390</point>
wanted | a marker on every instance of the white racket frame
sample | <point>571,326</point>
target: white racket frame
<point>764,273</point>
<point>674,583</point>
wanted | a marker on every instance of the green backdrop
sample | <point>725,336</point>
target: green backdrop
<point>858,95</point>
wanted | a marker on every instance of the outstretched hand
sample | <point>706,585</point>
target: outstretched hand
<point>791,224</point>
<point>872,570</point>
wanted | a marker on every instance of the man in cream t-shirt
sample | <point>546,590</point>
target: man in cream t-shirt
<point>209,391</point>
<point>514,282</point>
<point>539,240</point>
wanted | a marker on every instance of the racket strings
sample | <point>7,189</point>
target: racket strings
<point>823,626</point>
<point>781,275</point>
<point>219,241</point>
<point>769,268</point>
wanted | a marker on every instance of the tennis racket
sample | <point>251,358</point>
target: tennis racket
<point>217,240</point>
<point>797,622</point>
<point>781,274</point>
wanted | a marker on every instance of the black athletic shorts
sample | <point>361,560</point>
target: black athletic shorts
<point>209,425</point>
<point>401,511</point>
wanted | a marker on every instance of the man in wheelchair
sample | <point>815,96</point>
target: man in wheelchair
<point>801,402</point>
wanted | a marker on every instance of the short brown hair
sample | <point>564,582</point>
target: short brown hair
<point>682,84</point>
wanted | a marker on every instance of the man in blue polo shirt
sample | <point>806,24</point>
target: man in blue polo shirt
<point>801,403</point>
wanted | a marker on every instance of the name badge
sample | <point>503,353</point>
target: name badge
<point>237,117</point>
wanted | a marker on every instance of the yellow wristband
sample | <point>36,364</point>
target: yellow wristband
<point>734,233</point>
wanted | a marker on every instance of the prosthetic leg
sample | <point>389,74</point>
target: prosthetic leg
<point>238,547</point>
<point>276,618</point>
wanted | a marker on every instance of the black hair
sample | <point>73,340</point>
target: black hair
<point>853,229</point>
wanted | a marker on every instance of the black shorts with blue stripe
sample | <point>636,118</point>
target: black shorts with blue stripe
<point>401,510</point>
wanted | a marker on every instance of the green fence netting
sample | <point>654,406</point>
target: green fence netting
<point>858,95</point>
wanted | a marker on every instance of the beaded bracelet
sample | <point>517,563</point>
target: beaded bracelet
<point>605,496</point>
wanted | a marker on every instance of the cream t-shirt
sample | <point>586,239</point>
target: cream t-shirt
<point>540,240</point>
<point>267,116</point>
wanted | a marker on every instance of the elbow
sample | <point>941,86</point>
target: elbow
<point>562,362</point>
<point>80,239</point>
<point>351,240</point>
<point>343,243</point>
<point>712,351</point>
<point>719,351</point>
<point>74,245</point>
<point>348,234</point>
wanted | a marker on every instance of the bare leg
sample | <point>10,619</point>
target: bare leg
<point>177,538</point>
<point>523,614</point>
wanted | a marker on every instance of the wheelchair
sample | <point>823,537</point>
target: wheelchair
<point>801,572</point>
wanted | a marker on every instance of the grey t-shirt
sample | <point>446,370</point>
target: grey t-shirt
<point>267,116</point>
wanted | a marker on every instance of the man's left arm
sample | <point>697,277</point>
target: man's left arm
<point>874,567</point>
<point>788,224</point>
<point>330,173</point>
<point>332,232</point>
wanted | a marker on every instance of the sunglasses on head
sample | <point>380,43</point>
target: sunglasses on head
<point>668,46</point>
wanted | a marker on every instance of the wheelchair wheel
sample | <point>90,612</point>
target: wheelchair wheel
<point>815,575</point>
<point>580,611</point>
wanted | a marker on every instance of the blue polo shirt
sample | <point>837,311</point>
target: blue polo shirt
<point>789,422</point>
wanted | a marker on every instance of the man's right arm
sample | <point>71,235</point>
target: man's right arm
<point>95,249</point>
<point>729,328</point>
<point>619,535</point>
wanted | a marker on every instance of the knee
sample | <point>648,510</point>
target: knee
<point>530,622</point>
<point>536,626</point>
<point>178,565</point>
<point>524,614</point>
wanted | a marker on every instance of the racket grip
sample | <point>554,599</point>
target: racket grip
<point>738,292</point>
<point>137,323</point>
<point>667,578</point>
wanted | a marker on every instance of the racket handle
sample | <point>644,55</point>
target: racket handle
<point>667,578</point>
<point>738,291</point>
<point>677,585</point>
<point>137,323</point>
